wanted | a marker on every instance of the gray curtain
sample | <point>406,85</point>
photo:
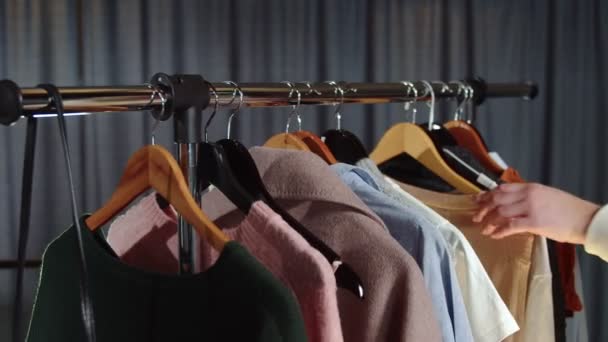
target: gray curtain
<point>557,139</point>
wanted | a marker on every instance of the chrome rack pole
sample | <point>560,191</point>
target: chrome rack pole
<point>86,100</point>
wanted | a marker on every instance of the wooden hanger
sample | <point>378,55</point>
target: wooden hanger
<point>414,141</point>
<point>411,139</point>
<point>287,141</point>
<point>317,146</point>
<point>467,136</point>
<point>154,167</point>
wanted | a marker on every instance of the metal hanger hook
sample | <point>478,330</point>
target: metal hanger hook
<point>338,90</point>
<point>462,101</point>
<point>429,88</point>
<point>215,107</point>
<point>470,99</point>
<point>311,90</point>
<point>411,88</point>
<point>238,89</point>
<point>163,101</point>
<point>294,110</point>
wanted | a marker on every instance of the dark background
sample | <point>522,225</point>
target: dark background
<point>557,139</point>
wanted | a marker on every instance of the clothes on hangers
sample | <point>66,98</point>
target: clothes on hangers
<point>397,306</point>
<point>541,305</point>
<point>564,253</point>
<point>508,261</point>
<point>417,236</point>
<point>540,323</point>
<point>135,305</point>
<point>566,259</point>
<point>576,326</point>
<point>489,317</point>
<point>559,307</point>
<point>321,201</point>
<point>146,232</point>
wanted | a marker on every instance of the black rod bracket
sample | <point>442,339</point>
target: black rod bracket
<point>186,98</point>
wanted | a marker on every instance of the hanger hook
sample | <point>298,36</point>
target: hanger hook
<point>163,101</point>
<point>215,107</point>
<point>311,90</point>
<point>431,91</point>
<point>238,108</point>
<point>411,88</point>
<point>462,99</point>
<point>294,110</point>
<point>338,90</point>
<point>470,99</point>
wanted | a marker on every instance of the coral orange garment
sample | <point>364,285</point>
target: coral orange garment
<point>566,256</point>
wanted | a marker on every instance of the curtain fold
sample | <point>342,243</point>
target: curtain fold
<point>559,138</point>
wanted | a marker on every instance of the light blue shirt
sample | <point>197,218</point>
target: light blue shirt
<point>424,243</point>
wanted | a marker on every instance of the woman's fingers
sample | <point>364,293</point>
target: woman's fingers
<point>515,226</point>
<point>512,210</point>
<point>489,201</point>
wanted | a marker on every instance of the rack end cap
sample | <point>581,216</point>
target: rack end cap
<point>10,102</point>
<point>533,90</point>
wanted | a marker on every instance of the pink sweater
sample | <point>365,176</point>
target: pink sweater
<point>146,237</point>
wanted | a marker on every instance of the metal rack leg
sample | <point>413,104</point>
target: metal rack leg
<point>187,154</point>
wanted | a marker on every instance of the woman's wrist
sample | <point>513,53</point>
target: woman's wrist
<point>588,217</point>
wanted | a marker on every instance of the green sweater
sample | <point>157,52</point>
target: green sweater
<point>237,299</point>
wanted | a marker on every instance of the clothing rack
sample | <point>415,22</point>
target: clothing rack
<point>184,97</point>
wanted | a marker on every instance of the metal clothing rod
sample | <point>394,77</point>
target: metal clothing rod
<point>86,100</point>
<point>13,264</point>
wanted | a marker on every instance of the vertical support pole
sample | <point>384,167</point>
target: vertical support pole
<point>187,154</point>
<point>188,134</point>
<point>188,96</point>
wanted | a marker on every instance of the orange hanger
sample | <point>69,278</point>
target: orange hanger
<point>154,167</point>
<point>467,136</point>
<point>288,140</point>
<point>317,146</point>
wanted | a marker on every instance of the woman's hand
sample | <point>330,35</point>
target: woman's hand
<point>534,208</point>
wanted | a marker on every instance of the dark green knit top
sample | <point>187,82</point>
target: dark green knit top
<point>237,299</point>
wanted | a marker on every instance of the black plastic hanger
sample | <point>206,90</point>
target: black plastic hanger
<point>440,135</point>
<point>345,146</point>
<point>215,169</point>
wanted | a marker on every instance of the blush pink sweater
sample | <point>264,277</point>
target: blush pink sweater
<point>146,237</point>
